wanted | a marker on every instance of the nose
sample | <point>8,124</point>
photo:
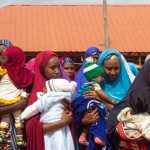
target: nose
<point>113,72</point>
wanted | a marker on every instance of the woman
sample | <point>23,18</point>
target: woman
<point>118,76</point>
<point>47,66</point>
<point>142,80</point>
<point>68,65</point>
<point>94,52</point>
<point>13,60</point>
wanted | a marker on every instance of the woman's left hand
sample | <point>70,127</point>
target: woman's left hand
<point>91,94</point>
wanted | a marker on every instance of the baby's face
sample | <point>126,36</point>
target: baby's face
<point>99,79</point>
<point>44,90</point>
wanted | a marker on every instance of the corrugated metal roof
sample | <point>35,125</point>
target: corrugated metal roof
<point>75,28</point>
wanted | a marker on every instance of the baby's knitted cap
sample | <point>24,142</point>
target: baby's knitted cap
<point>92,70</point>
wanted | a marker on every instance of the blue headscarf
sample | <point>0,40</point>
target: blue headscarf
<point>133,68</point>
<point>80,78</point>
<point>118,88</point>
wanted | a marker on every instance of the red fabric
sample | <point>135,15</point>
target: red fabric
<point>74,73</point>
<point>34,128</point>
<point>20,76</point>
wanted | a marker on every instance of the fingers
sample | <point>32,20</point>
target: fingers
<point>94,111</point>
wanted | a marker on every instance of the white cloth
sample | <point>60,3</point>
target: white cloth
<point>130,74</point>
<point>8,90</point>
<point>51,111</point>
<point>139,122</point>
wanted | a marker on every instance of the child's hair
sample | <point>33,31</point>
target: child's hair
<point>60,85</point>
<point>92,70</point>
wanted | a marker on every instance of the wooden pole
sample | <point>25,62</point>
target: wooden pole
<point>105,24</point>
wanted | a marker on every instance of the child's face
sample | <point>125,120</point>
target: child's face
<point>44,90</point>
<point>99,79</point>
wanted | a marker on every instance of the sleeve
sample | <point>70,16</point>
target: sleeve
<point>97,87</point>
<point>29,111</point>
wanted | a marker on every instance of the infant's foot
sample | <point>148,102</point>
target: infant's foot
<point>83,141</point>
<point>99,141</point>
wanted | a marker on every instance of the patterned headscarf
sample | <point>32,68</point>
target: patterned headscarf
<point>6,42</point>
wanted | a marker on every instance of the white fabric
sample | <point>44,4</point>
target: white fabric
<point>63,136</point>
<point>8,90</point>
<point>51,111</point>
<point>140,121</point>
<point>61,85</point>
<point>130,74</point>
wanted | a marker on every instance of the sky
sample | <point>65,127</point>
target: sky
<point>67,2</point>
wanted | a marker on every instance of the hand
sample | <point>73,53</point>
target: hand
<point>66,117</point>
<point>91,94</point>
<point>22,104</point>
<point>16,106</point>
<point>90,117</point>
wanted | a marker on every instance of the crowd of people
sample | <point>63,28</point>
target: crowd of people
<point>45,104</point>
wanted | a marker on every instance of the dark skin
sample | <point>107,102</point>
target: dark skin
<point>69,68</point>
<point>111,68</point>
<point>22,104</point>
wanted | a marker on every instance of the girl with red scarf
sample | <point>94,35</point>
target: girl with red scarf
<point>47,66</point>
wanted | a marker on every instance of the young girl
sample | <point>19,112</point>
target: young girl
<point>51,104</point>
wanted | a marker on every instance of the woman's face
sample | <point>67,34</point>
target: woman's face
<point>111,68</point>
<point>69,68</point>
<point>95,58</point>
<point>52,69</point>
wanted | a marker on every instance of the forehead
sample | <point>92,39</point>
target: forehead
<point>95,56</point>
<point>53,61</point>
<point>2,48</point>
<point>68,64</point>
<point>111,63</point>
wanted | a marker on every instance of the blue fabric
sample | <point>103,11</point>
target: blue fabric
<point>133,68</point>
<point>85,88</point>
<point>67,59</point>
<point>80,106</point>
<point>80,78</point>
<point>118,88</point>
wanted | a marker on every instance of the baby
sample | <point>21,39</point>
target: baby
<point>51,105</point>
<point>94,75</point>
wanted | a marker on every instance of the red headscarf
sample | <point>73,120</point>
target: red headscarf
<point>20,76</point>
<point>70,61</point>
<point>34,128</point>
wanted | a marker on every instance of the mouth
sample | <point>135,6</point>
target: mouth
<point>112,77</point>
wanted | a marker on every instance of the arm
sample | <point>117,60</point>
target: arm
<point>94,94</point>
<point>65,120</point>
<point>105,97</point>
<point>10,108</point>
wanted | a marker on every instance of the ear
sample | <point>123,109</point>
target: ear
<point>93,79</point>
